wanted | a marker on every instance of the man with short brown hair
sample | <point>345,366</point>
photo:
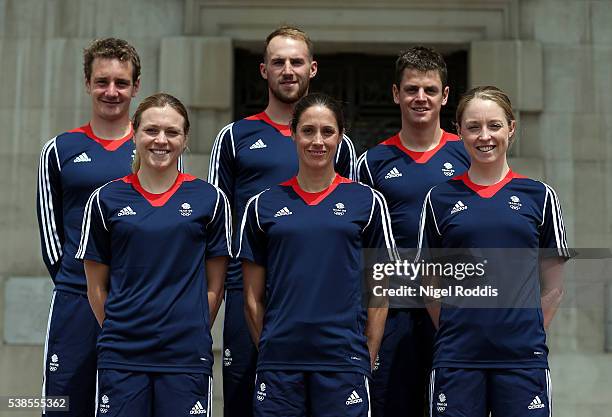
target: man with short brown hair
<point>72,165</point>
<point>403,168</point>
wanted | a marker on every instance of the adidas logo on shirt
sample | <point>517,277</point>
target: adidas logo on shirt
<point>536,403</point>
<point>126,211</point>
<point>82,158</point>
<point>354,398</point>
<point>283,212</point>
<point>258,145</point>
<point>197,409</point>
<point>459,206</point>
<point>394,173</point>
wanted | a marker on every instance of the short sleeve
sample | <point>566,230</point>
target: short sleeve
<point>252,242</point>
<point>95,237</point>
<point>378,233</point>
<point>219,229</point>
<point>552,229</point>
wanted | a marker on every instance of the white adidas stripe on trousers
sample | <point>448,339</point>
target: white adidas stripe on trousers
<point>97,394</point>
<point>432,380</point>
<point>549,392</point>
<point>367,387</point>
<point>210,394</point>
<point>46,350</point>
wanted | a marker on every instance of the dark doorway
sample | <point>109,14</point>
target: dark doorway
<point>363,83</point>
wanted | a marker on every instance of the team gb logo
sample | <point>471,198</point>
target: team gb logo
<point>515,203</point>
<point>447,169</point>
<point>185,209</point>
<point>339,210</point>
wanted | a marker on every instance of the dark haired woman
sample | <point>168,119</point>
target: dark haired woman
<point>301,245</point>
<point>155,246</point>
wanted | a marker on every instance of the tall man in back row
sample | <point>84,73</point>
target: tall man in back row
<point>249,156</point>
<point>72,165</point>
<point>403,168</point>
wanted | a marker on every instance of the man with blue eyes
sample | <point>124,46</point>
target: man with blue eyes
<point>403,168</point>
<point>72,165</point>
<point>248,156</point>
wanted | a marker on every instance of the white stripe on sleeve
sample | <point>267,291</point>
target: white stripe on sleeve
<point>386,223</point>
<point>352,156</point>
<point>252,200</point>
<point>93,200</point>
<point>213,166</point>
<point>363,161</point>
<point>557,220</point>
<point>227,216</point>
<point>423,221</point>
<point>47,213</point>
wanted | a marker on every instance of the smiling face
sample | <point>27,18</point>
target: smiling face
<point>420,96</point>
<point>486,131</point>
<point>288,69</point>
<point>111,88</point>
<point>317,137</point>
<point>160,138</point>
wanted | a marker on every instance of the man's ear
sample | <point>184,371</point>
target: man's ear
<point>314,67</point>
<point>87,85</point>
<point>395,91</point>
<point>445,93</point>
<point>136,87</point>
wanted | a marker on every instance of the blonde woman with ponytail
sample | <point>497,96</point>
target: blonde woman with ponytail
<point>491,357</point>
<point>155,245</point>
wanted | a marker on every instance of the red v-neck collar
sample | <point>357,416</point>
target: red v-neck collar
<point>108,144</point>
<point>157,200</point>
<point>284,130</point>
<point>421,157</point>
<point>312,199</point>
<point>487,191</point>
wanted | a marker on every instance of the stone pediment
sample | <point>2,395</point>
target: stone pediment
<point>358,21</point>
